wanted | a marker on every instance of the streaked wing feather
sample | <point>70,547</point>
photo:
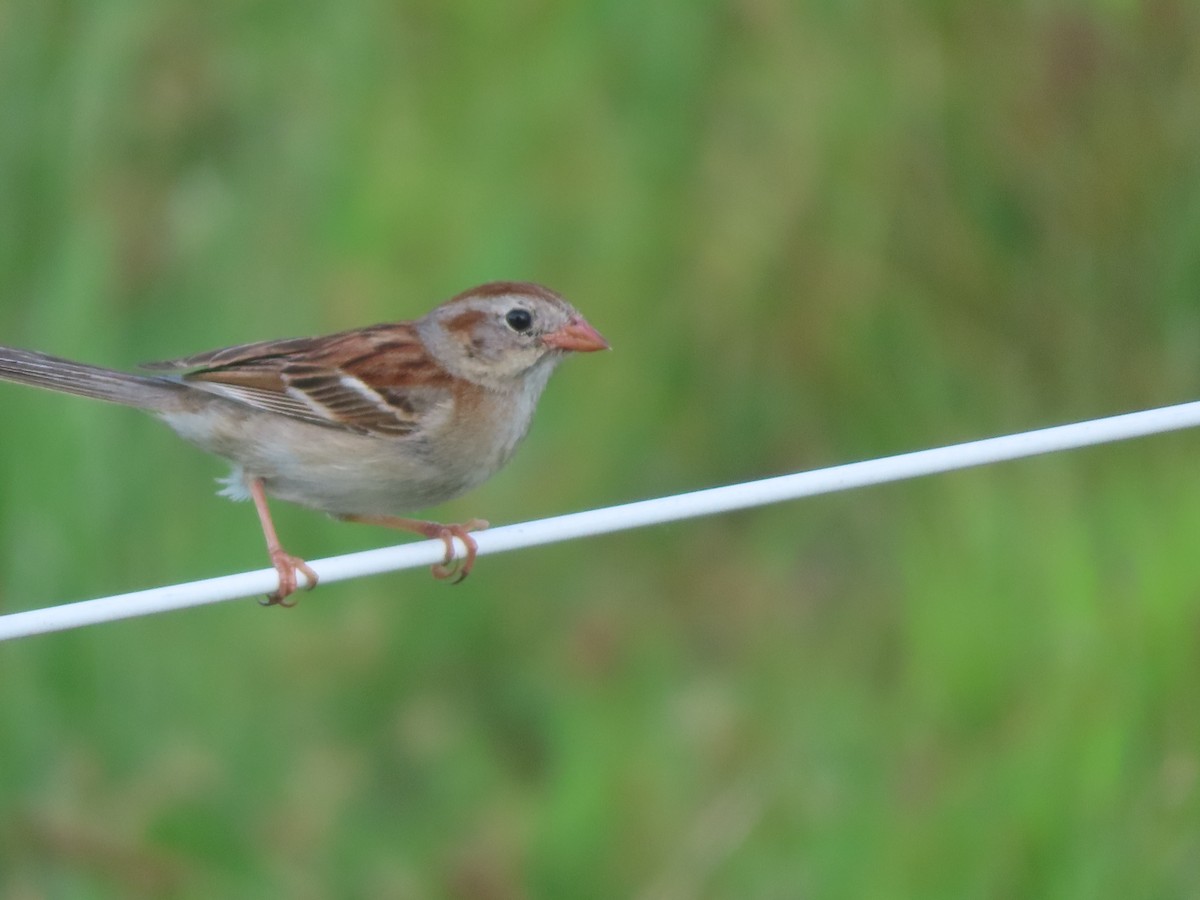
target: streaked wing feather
<point>360,381</point>
<point>270,401</point>
<point>348,401</point>
<point>232,356</point>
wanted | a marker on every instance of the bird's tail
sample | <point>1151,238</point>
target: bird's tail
<point>42,370</point>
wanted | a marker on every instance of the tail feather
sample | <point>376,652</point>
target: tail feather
<point>55,374</point>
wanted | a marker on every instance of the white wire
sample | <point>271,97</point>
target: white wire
<point>617,518</point>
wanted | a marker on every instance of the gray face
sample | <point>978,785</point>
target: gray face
<point>494,338</point>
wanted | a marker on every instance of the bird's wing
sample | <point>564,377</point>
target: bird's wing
<point>378,380</point>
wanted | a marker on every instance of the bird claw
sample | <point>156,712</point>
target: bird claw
<point>287,566</point>
<point>452,566</point>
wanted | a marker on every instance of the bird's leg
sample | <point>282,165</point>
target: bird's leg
<point>447,568</point>
<point>285,564</point>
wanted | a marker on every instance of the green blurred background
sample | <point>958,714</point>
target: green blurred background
<point>814,232</point>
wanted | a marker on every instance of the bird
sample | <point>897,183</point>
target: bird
<point>364,424</point>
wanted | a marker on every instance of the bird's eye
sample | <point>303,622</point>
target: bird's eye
<point>520,320</point>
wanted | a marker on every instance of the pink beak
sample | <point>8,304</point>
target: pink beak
<point>576,335</point>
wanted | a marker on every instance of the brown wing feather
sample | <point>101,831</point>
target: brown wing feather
<point>232,356</point>
<point>376,380</point>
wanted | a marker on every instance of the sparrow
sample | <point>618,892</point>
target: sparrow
<point>363,424</point>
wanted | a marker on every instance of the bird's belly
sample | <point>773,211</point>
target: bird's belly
<point>338,472</point>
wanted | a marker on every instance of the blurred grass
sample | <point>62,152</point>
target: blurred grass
<point>814,233</point>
